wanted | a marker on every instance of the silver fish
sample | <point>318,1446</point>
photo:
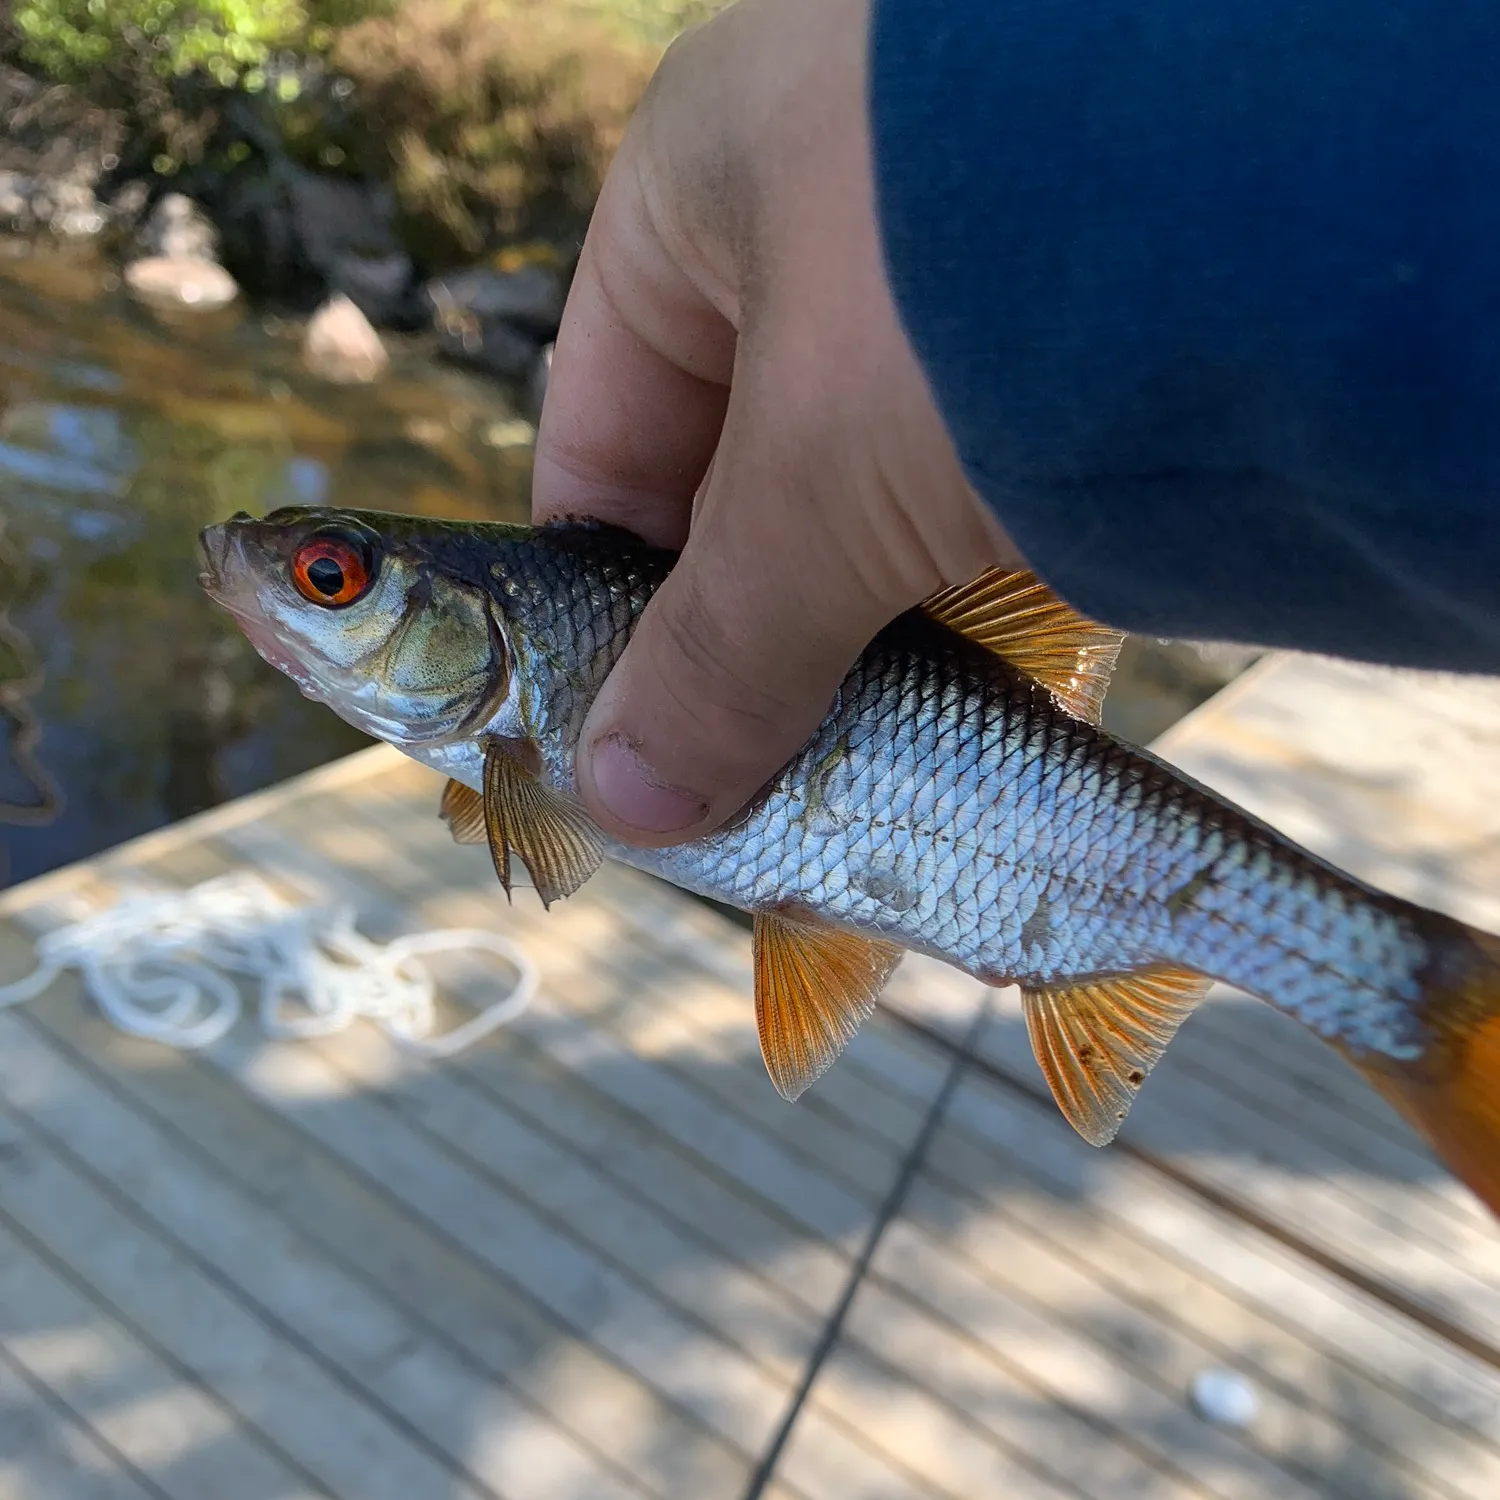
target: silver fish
<point>959,800</point>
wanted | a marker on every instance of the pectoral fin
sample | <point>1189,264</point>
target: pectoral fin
<point>1097,1040</point>
<point>1017,616</point>
<point>813,987</point>
<point>462,809</point>
<point>546,831</point>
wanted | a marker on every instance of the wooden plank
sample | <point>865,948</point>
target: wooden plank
<point>562,1275</point>
<point>669,1353</point>
<point>1396,1180</point>
<point>1229,1024</point>
<point>278,1388</point>
<point>1027,1420</point>
<point>389,1359</point>
<point>904,1078</point>
<point>685,1109</point>
<point>1270,1064</point>
<point>960,1256</point>
<point>1323,1403</point>
<point>940,1450</point>
<point>602,972</point>
<point>146,1410</point>
<point>749,1315</point>
<point>44,1453</point>
<point>825,1460</point>
<point>1448,1264</point>
<point>1017,1155</point>
<point>413,1263</point>
<point>646,1160</point>
<point>1391,774</point>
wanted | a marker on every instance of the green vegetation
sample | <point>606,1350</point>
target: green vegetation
<point>75,41</point>
<point>491,118</point>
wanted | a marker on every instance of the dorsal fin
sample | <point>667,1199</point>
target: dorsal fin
<point>1017,616</point>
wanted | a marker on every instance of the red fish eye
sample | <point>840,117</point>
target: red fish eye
<point>331,570</point>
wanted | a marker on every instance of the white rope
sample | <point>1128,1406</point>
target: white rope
<point>159,964</point>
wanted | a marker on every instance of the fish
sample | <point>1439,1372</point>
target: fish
<point>959,799</point>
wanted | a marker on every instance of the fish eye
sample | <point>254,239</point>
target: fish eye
<point>333,569</point>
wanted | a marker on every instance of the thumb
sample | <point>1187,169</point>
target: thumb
<point>736,659</point>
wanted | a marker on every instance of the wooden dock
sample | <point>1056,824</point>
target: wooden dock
<point>597,1257</point>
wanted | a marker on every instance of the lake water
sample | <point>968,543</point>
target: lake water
<point>127,700</point>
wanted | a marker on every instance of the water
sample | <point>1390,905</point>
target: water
<point>120,437</point>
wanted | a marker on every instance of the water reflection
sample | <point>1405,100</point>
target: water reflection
<point>28,794</point>
<point>119,439</point>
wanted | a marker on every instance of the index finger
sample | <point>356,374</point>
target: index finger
<point>639,380</point>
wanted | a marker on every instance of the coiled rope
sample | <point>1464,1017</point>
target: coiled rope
<point>161,963</point>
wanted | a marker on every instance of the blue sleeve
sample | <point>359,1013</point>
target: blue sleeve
<point>1208,292</point>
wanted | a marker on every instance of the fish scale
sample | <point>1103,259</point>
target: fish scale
<point>969,784</point>
<point>957,800</point>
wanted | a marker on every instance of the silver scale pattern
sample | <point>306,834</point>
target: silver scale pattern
<point>948,804</point>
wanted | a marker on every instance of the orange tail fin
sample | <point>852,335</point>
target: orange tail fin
<point>1452,1092</point>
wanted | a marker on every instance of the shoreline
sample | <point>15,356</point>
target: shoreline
<point>430,165</point>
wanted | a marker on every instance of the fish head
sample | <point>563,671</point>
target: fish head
<point>385,619</point>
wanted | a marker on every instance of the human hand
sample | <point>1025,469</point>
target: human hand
<point>731,379</point>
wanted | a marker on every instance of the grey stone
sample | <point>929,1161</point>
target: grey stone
<point>17,193</point>
<point>530,298</point>
<point>498,320</point>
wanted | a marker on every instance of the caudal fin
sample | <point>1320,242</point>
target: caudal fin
<point>1452,1092</point>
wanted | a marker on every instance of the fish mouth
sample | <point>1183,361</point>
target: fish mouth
<point>217,546</point>
<point>214,546</point>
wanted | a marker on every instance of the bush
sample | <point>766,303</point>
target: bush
<point>495,118</point>
<point>230,41</point>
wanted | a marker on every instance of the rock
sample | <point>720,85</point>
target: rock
<point>515,433</point>
<point>127,203</point>
<point>340,344</point>
<point>1224,1397</point>
<point>297,235</point>
<point>76,212</point>
<point>17,193</point>
<point>498,320</point>
<point>347,231</point>
<point>55,147</point>
<point>381,286</point>
<point>178,229</point>
<point>529,298</point>
<point>181,282</point>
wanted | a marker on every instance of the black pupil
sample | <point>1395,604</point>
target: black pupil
<point>326,576</point>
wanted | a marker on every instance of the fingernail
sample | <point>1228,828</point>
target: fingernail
<point>631,791</point>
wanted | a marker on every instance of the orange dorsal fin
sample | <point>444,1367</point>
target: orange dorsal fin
<point>1097,1039</point>
<point>1452,1092</point>
<point>814,984</point>
<point>1018,617</point>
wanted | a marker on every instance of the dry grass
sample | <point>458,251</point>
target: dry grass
<point>497,118</point>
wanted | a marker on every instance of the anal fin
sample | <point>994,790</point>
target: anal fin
<point>814,985</point>
<point>1097,1039</point>
<point>550,834</point>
